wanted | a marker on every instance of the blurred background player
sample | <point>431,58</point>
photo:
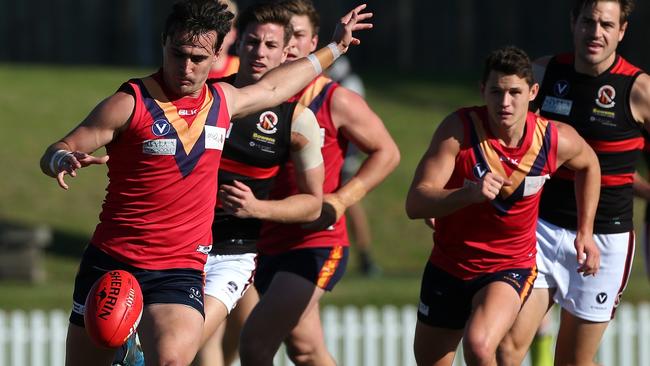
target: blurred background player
<point>255,149</point>
<point>358,225</point>
<point>297,264</point>
<point>607,100</point>
<point>226,63</point>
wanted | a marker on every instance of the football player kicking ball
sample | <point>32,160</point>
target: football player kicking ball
<point>164,134</point>
<point>481,179</point>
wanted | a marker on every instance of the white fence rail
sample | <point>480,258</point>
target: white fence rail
<point>355,336</point>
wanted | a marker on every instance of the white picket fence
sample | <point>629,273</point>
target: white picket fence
<point>367,336</point>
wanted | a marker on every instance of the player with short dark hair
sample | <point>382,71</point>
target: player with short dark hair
<point>164,134</point>
<point>481,179</point>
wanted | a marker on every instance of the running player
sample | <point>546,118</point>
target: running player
<point>256,147</point>
<point>481,179</point>
<point>164,134</point>
<point>607,100</point>
<point>297,264</point>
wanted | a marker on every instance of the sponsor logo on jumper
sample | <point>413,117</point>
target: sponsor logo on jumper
<point>557,105</point>
<point>160,127</point>
<point>187,112</point>
<point>268,122</point>
<point>159,147</point>
<point>511,161</point>
<point>423,309</point>
<point>605,96</point>
<point>215,137</point>
<point>269,140</point>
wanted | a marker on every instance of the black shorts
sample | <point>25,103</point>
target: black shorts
<point>324,267</point>
<point>173,286</point>
<point>446,300</point>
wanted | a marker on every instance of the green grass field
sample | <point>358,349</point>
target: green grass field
<point>40,104</point>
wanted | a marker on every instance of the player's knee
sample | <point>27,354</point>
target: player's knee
<point>301,354</point>
<point>508,353</point>
<point>478,349</point>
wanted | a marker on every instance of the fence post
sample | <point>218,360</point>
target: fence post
<point>351,335</point>
<point>331,327</point>
<point>643,336</point>
<point>58,329</point>
<point>409,318</point>
<point>370,336</point>
<point>626,331</point>
<point>38,335</point>
<point>18,338</point>
<point>3,337</point>
<point>390,339</point>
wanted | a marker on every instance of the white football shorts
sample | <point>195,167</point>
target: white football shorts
<point>227,277</point>
<point>592,298</point>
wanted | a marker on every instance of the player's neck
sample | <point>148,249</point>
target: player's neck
<point>510,136</point>
<point>592,69</point>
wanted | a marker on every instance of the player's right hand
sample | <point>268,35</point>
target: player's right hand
<point>489,187</point>
<point>587,255</point>
<point>350,22</point>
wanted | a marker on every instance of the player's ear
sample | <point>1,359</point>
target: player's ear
<point>534,89</point>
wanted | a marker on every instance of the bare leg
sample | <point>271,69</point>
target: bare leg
<point>287,299</point>
<point>512,349</point>
<point>435,346</point>
<point>80,349</point>
<point>578,340</point>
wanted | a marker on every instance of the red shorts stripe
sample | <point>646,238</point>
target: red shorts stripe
<point>605,180</point>
<point>626,273</point>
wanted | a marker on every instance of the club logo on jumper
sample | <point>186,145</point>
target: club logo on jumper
<point>161,127</point>
<point>605,96</point>
<point>479,170</point>
<point>187,112</point>
<point>268,122</point>
<point>561,88</point>
<point>601,298</point>
<point>195,294</point>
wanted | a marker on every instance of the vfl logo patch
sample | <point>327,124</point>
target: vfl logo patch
<point>561,88</point>
<point>160,127</point>
<point>601,298</point>
<point>605,97</point>
<point>268,122</point>
<point>479,170</point>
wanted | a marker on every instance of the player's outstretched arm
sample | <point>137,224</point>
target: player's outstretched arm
<point>73,151</point>
<point>285,81</point>
<point>574,153</point>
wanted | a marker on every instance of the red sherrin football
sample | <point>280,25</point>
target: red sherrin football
<point>113,308</point>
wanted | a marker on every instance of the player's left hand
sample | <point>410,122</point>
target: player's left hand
<point>76,160</point>
<point>351,22</point>
<point>330,213</point>
<point>587,255</point>
<point>238,200</point>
